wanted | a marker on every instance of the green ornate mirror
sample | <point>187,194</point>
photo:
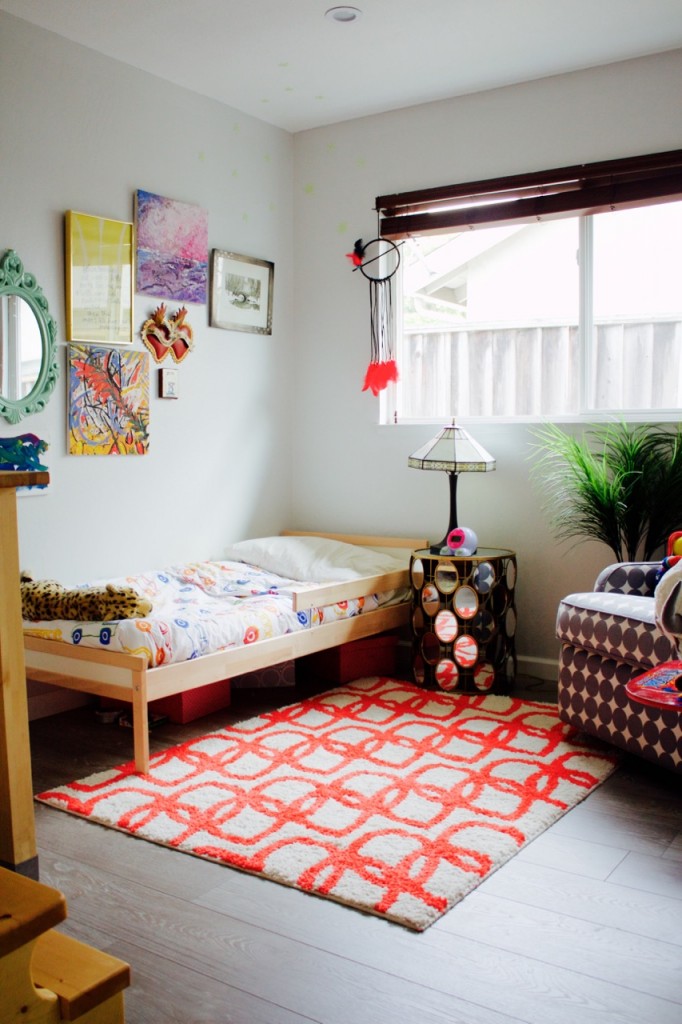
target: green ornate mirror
<point>28,342</point>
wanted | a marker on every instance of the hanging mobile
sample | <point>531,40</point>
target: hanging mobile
<point>378,262</point>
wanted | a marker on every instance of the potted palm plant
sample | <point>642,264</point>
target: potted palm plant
<point>618,484</point>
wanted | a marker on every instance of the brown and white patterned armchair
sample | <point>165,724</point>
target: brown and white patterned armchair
<point>609,636</point>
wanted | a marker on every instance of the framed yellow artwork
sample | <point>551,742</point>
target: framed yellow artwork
<point>99,279</point>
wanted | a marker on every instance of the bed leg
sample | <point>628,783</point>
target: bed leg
<point>140,723</point>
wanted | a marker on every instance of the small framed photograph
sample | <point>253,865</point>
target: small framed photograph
<point>241,292</point>
<point>99,279</point>
<point>168,383</point>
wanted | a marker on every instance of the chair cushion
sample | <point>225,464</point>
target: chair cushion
<point>614,625</point>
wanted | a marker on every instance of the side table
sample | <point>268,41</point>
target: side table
<point>464,620</point>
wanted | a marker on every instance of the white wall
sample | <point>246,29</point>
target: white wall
<point>352,473</point>
<point>82,132</point>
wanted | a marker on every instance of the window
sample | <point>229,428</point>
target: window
<point>577,312</point>
<point>636,332</point>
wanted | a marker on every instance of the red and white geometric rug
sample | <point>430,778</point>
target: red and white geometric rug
<point>386,797</point>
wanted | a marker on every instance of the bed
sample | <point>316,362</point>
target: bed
<point>266,601</point>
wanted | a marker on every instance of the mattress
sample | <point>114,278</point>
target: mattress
<point>203,607</point>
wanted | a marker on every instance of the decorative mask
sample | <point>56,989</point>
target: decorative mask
<point>168,334</point>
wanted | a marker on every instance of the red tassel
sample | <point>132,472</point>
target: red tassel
<point>391,371</point>
<point>371,379</point>
<point>380,375</point>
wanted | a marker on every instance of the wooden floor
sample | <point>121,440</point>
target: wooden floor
<point>584,925</point>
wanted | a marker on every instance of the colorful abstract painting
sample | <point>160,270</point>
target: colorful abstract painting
<point>172,248</point>
<point>108,401</point>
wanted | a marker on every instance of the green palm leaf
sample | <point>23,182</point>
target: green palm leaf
<point>619,484</point>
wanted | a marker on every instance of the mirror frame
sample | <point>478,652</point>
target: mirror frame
<point>14,280</point>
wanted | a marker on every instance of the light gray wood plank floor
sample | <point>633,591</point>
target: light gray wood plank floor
<point>584,924</point>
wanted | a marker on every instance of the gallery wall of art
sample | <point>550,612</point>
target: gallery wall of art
<point>164,428</point>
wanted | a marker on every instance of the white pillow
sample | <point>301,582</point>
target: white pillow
<point>312,559</point>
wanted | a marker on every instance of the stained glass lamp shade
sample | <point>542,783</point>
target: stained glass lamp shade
<point>452,451</point>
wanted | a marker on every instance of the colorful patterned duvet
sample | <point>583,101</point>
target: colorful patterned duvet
<point>202,607</point>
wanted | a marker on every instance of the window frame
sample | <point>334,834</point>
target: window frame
<point>578,191</point>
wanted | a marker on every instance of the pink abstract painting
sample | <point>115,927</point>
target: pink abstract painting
<point>172,248</point>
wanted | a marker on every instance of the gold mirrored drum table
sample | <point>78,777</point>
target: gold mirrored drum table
<point>464,620</point>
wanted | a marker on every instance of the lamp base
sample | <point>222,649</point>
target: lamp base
<point>435,549</point>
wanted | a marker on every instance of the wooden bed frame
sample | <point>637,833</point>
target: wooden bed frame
<point>127,677</point>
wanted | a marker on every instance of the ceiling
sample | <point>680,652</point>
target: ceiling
<point>285,63</point>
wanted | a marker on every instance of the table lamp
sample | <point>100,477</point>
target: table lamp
<point>453,451</point>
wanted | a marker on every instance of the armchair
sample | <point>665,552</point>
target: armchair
<point>608,636</point>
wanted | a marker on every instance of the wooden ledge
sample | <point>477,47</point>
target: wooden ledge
<point>23,477</point>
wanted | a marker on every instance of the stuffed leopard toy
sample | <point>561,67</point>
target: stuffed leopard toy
<point>45,600</point>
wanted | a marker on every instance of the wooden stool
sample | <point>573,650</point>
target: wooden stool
<point>47,976</point>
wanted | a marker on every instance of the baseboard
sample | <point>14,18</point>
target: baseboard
<point>44,701</point>
<point>538,668</point>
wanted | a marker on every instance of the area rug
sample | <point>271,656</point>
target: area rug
<point>392,799</point>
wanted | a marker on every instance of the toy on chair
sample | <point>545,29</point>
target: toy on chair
<point>674,547</point>
<point>673,554</point>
